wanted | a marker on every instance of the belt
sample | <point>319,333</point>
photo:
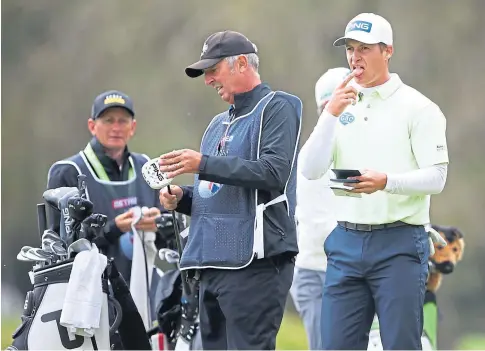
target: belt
<point>370,227</point>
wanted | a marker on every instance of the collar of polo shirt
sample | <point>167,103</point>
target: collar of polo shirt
<point>385,90</point>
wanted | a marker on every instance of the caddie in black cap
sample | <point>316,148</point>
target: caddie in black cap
<point>245,166</point>
<point>114,185</point>
<point>219,46</point>
<point>111,98</point>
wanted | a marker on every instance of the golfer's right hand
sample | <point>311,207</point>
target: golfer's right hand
<point>342,97</point>
<point>170,201</point>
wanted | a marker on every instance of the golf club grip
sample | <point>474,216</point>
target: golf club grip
<point>41,218</point>
<point>183,274</point>
<point>81,185</point>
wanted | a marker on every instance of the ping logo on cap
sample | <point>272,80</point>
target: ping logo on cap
<point>114,98</point>
<point>359,25</point>
<point>204,49</point>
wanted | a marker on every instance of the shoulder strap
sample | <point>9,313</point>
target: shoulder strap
<point>98,167</point>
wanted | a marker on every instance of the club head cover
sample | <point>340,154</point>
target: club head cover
<point>154,177</point>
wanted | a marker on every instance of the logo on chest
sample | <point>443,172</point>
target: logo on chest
<point>346,118</point>
<point>124,202</point>
<point>208,189</point>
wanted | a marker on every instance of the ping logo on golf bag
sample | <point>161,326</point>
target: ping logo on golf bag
<point>67,219</point>
<point>158,173</point>
<point>63,334</point>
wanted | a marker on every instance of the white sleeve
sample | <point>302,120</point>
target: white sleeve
<point>424,181</point>
<point>319,148</point>
<point>428,136</point>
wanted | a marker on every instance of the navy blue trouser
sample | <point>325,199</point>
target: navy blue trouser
<point>383,272</point>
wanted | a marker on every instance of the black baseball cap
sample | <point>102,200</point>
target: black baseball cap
<point>219,46</point>
<point>111,98</point>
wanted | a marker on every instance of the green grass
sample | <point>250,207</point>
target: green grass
<point>8,327</point>
<point>472,342</point>
<point>291,336</point>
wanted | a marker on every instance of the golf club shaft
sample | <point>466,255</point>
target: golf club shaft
<point>81,185</point>
<point>147,279</point>
<point>183,274</point>
<point>41,219</point>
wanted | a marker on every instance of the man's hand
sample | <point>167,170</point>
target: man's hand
<point>342,97</point>
<point>370,182</point>
<point>170,201</point>
<point>180,162</point>
<point>123,221</point>
<point>147,223</point>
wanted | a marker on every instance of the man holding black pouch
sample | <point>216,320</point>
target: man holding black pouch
<point>378,253</point>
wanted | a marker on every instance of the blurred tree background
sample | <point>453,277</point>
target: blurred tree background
<point>57,55</point>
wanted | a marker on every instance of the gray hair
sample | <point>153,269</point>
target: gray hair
<point>253,60</point>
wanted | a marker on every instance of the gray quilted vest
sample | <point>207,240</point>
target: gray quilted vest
<point>112,198</point>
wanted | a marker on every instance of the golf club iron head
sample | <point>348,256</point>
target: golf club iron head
<point>57,248</point>
<point>21,255</point>
<point>78,246</point>
<point>33,255</point>
<point>51,235</point>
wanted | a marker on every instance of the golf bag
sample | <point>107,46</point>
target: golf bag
<point>179,309</point>
<point>41,329</point>
<point>178,297</point>
<point>177,314</point>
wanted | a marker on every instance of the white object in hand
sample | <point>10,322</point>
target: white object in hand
<point>154,177</point>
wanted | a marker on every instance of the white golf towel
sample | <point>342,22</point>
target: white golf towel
<point>83,301</point>
<point>138,286</point>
